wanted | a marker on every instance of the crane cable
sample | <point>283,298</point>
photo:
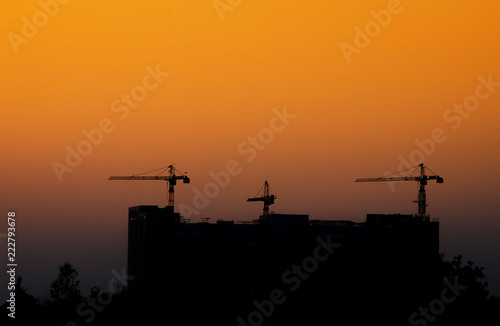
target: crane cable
<point>165,168</point>
<point>261,190</point>
<point>413,167</point>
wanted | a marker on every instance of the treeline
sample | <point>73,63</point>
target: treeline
<point>459,296</point>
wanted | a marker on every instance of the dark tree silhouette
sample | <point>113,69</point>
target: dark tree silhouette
<point>473,304</point>
<point>469,274</point>
<point>26,305</point>
<point>65,290</point>
<point>468,304</point>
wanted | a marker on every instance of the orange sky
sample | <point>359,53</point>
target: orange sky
<point>355,115</point>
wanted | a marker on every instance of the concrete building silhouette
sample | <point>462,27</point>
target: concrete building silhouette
<point>222,267</point>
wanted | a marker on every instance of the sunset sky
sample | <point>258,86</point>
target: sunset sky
<point>309,95</point>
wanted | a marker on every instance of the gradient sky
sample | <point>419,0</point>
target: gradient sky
<point>356,114</point>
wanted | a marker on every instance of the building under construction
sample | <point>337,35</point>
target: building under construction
<point>225,269</point>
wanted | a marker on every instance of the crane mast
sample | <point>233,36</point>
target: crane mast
<point>421,179</point>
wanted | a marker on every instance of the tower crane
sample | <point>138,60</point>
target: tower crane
<point>171,178</point>
<point>265,196</point>
<point>421,179</point>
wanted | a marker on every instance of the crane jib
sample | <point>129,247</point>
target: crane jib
<point>171,179</point>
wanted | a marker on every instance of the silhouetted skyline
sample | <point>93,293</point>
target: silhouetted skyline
<point>309,97</point>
